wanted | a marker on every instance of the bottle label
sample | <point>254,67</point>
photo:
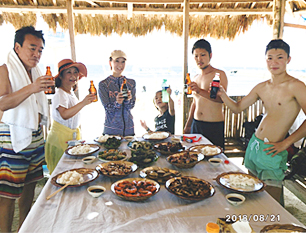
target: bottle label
<point>215,83</point>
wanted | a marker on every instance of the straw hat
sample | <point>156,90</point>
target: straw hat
<point>67,63</point>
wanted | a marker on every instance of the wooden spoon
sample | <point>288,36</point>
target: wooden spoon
<point>51,195</point>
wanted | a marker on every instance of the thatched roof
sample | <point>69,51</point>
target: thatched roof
<point>218,19</point>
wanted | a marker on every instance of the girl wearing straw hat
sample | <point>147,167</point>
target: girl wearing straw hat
<point>65,110</point>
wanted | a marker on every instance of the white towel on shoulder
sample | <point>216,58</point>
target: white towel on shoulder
<point>24,118</point>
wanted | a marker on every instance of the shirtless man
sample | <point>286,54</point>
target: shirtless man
<point>206,116</point>
<point>20,170</point>
<point>283,97</point>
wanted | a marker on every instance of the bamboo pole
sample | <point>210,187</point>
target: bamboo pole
<point>185,68</point>
<point>278,18</point>
<point>71,28</point>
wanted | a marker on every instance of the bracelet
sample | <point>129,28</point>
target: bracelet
<point>148,129</point>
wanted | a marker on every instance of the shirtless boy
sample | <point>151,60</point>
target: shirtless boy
<point>283,97</point>
<point>206,116</point>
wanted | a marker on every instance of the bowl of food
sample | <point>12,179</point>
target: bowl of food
<point>190,188</point>
<point>235,198</point>
<point>116,169</point>
<point>96,190</point>
<point>82,150</point>
<point>135,189</point>
<point>168,148</point>
<point>185,159</point>
<point>89,159</point>
<point>215,161</point>
<point>112,155</point>
<point>156,136</point>
<point>109,141</point>
<point>135,145</point>
<point>207,149</point>
<point>143,157</point>
<point>159,174</point>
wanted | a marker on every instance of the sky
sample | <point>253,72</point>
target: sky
<point>163,49</point>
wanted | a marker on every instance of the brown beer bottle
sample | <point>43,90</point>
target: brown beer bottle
<point>51,89</point>
<point>187,81</point>
<point>124,89</point>
<point>93,90</point>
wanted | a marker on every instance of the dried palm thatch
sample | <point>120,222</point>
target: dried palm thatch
<point>19,20</point>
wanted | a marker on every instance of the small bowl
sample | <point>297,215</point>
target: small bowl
<point>235,198</point>
<point>129,138</point>
<point>89,159</point>
<point>96,190</point>
<point>215,161</point>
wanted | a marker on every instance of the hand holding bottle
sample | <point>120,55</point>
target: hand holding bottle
<point>89,99</point>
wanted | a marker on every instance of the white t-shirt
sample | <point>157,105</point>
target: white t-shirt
<point>66,100</point>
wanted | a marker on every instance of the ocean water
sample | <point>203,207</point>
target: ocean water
<point>148,80</point>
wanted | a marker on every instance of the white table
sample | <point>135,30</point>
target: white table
<point>74,210</point>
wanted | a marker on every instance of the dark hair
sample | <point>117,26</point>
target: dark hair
<point>58,80</point>
<point>22,32</point>
<point>202,44</point>
<point>278,44</point>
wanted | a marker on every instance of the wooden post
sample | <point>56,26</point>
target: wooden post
<point>186,104</point>
<point>278,18</point>
<point>71,28</point>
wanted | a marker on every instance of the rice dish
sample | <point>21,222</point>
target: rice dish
<point>71,176</point>
<point>208,150</point>
<point>103,138</point>
<point>81,149</point>
<point>156,136</point>
<point>241,181</point>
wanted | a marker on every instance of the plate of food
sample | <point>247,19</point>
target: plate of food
<point>135,189</point>
<point>116,169</point>
<point>240,182</point>
<point>82,149</point>
<point>282,228</point>
<point>168,148</point>
<point>185,159</point>
<point>134,145</point>
<point>161,175</point>
<point>77,177</point>
<point>102,139</point>
<point>112,155</point>
<point>158,135</point>
<point>207,149</point>
<point>190,188</point>
<point>143,157</point>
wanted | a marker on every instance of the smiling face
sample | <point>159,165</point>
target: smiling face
<point>117,66</point>
<point>277,60</point>
<point>202,58</point>
<point>30,52</point>
<point>69,77</point>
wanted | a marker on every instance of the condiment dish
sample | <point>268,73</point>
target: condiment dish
<point>129,138</point>
<point>235,198</point>
<point>96,190</point>
<point>89,159</point>
<point>215,161</point>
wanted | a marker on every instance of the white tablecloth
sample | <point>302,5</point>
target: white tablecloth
<point>74,210</point>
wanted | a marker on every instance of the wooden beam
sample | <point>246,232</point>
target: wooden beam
<point>185,68</point>
<point>278,18</point>
<point>71,28</point>
<point>294,25</point>
<point>123,10</point>
<point>182,1</point>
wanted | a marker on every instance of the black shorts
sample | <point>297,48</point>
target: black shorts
<point>213,131</point>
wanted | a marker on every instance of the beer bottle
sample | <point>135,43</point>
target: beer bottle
<point>93,90</point>
<point>215,86</point>
<point>51,89</point>
<point>186,87</point>
<point>124,89</point>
